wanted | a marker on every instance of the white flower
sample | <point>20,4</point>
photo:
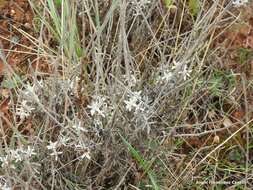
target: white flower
<point>5,187</point>
<point>29,151</point>
<point>86,155</point>
<point>6,162</point>
<point>78,127</point>
<point>30,91</point>
<point>134,101</point>
<point>24,110</point>
<point>167,76</point>
<point>176,65</point>
<point>20,154</point>
<point>97,106</point>
<point>64,140</point>
<point>144,2</point>
<point>53,147</point>
<point>40,83</point>
<point>81,147</point>
<point>55,154</point>
<point>185,72</point>
<point>131,103</point>
<point>16,155</point>
<point>239,2</point>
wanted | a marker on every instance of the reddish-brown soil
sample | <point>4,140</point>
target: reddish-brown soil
<point>14,15</point>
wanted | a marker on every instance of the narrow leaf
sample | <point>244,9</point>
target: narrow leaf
<point>58,2</point>
<point>142,162</point>
<point>168,3</point>
<point>194,6</point>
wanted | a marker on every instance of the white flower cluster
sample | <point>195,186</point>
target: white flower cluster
<point>98,106</point>
<point>70,137</point>
<point>185,72</point>
<point>24,109</point>
<point>65,141</point>
<point>183,69</point>
<point>140,105</point>
<point>28,98</point>
<point>134,102</point>
<point>31,91</point>
<point>15,156</point>
<point>238,3</point>
<point>53,146</point>
<point>167,74</point>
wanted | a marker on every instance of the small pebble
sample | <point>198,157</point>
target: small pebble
<point>27,25</point>
<point>13,12</point>
<point>216,139</point>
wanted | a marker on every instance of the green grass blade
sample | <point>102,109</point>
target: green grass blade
<point>58,2</point>
<point>168,3</point>
<point>55,17</point>
<point>194,6</point>
<point>144,165</point>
